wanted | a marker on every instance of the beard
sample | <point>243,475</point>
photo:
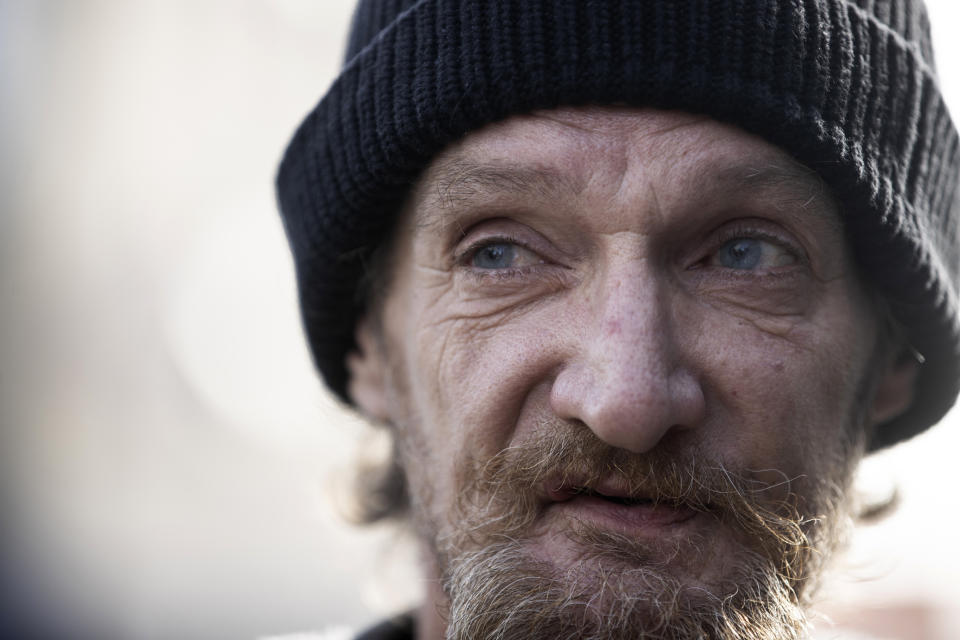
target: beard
<point>754,587</point>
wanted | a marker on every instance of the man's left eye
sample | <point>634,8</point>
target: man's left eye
<point>502,255</point>
<point>750,254</point>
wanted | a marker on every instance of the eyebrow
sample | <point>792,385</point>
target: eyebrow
<point>793,184</point>
<point>792,178</point>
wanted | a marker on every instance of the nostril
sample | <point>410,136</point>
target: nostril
<point>630,394</point>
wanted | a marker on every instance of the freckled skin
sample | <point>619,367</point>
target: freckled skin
<point>620,317</point>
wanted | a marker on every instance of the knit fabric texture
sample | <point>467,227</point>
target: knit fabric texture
<point>847,87</point>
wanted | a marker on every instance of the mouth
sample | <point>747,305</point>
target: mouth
<point>572,493</point>
<point>611,505</point>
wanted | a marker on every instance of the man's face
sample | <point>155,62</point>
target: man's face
<point>629,364</point>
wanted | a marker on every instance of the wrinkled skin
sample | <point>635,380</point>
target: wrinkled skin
<point>668,286</point>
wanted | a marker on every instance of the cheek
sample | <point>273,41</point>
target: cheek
<point>478,375</point>
<point>465,382</point>
<point>781,402</point>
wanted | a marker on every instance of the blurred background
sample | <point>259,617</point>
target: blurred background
<point>170,467</point>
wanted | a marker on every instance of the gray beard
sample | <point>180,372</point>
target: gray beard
<point>497,593</point>
<point>617,587</point>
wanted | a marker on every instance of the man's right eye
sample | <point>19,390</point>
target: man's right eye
<point>502,255</point>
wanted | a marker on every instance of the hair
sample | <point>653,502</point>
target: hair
<point>380,486</point>
<point>380,489</point>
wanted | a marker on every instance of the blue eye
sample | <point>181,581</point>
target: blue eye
<point>741,253</point>
<point>500,255</point>
<point>752,254</point>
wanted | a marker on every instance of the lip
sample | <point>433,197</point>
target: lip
<point>610,505</point>
<point>639,519</point>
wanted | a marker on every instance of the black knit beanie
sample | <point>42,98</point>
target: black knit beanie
<point>847,87</point>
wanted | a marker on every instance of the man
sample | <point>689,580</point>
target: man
<point>635,286</point>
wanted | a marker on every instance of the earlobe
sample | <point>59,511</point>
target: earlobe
<point>895,391</point>
<point>366,366</point>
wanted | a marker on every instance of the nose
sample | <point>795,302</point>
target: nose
<point>627,377</point>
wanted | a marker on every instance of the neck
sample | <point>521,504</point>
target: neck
<point>430,623</point>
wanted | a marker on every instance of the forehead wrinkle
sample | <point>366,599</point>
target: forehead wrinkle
<point>462,183</point>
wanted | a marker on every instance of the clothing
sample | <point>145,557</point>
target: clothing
<point>398,628</point>
<point>848,87</point>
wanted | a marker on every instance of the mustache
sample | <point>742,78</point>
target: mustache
<point>503,496</point>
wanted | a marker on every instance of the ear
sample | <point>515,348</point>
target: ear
<point>894,392</point>
<point>366,367</point>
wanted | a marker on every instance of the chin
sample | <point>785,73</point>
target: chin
<point>508,590</point>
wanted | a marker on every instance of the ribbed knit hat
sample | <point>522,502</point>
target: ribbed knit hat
<point>847,87</point>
